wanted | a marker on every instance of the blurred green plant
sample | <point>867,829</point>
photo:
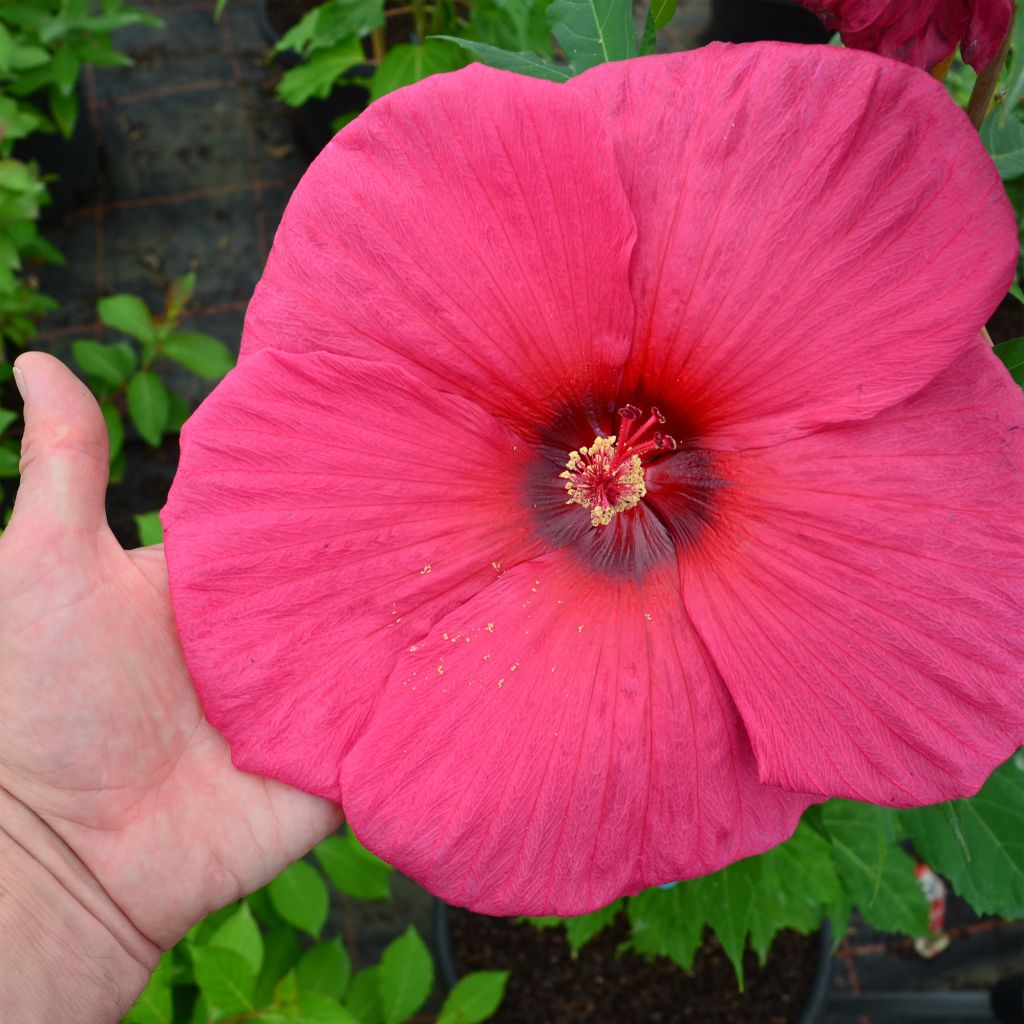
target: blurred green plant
<point>125,377</point>
<point>843,855</point>
<point>400,44</point>
<point>265,959</point>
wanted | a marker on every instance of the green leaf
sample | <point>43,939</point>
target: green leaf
<point>112,364</point>
<point>204,355</point>
<point>1004,140</point>
<point>667,922</point>
<point>10,457</point>
<point>506,60</point>
<point>318,76</point>
<point>239,932</point>
<point>128,313</point>
<point>154,1005</point>
<point>978,843</point>
<point>225,978</point>
<point>406,64</point>
<point>877,873</point>
<point>179,294</point>
<point>474,998</point>
<point>149,406</point>
<point>7,417</point>
<point>663,11</point>
<point>593,31</point>
<point>353,869</point>
<point>1015,289</point>
<point>728,898</point>
<point>179,413</point>
<point>363,997</point>
<point>406,977</point>
<point>325,968</point>
<point>280,952</point>
<point>581,929</point>
<point>1015,85</point>
<point>316,1008</point>
<point>797,886</point>
<point>299,895</point>
<point>152,532</point>
<point>219,9</point>
<point>1012,354</point>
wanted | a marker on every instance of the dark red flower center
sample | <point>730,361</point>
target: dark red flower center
<point>607,477</point>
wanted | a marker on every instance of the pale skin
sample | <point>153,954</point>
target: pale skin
<point>122,820</point>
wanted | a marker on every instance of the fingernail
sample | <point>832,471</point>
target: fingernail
<point>19,380</point>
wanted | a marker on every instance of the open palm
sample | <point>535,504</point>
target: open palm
<point>102,736</point>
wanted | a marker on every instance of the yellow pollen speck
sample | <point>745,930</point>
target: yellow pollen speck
<point>496,566</point>
<point>444,636</point>
<point>440,670</point>
<point>512,668</point>
<point>490,627</point>
<point>500,681</point>
<point>487,657</point>
<point>412,650</point>
<point>425,570</point>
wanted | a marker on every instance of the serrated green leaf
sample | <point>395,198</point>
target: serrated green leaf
<point>225,978</point>
<point>202,354</point>
<point>797,886</point>
<point>581,929</point>
<point>300,896</point>
<point>727,899</point>
<point>317,77</point>
<point>149,406</point>
<point>325,968</point>
<point>876,871</point>
<point>475,998</point>
<point>1004,140</point>
<point>363,997</point>
<point>667,922</point>
<point>406,977</point>
<point>1012,354</point>
<point>239,932</point>
<point>353,869</point>
<point>978,843</point>
<point>128,313</point>
<point>406,64</point>
<point>112,364</point>
<point>592,32</point>
<point>521,62</point>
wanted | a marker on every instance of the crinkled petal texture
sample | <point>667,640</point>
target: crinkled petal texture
<point>473,230</point>
<point>326,510</point>
<point>557,741</point>
<point>799,264</point>
<point>919,32</point>
<point>382,595</point>
<point>863,602</point>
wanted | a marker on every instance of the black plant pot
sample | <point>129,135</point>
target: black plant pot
<point>747,21</point>
<point>810,1013</point>
<point>73,163</point>
<point>315,117</point>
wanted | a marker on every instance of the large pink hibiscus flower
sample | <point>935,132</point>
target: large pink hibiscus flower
<point>433,555</point>
<point>920,32</point>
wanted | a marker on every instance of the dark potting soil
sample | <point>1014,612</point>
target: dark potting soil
<point>547,986</point>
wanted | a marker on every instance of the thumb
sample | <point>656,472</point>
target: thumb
<point>64,465</point>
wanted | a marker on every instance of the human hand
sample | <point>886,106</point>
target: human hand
<point>103,744</point>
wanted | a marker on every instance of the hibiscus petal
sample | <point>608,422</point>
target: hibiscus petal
<point>799,263</point>
<point>862,597</point>
<point>560,739</point>
<point>473,227</point>
<point>325,512</point>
